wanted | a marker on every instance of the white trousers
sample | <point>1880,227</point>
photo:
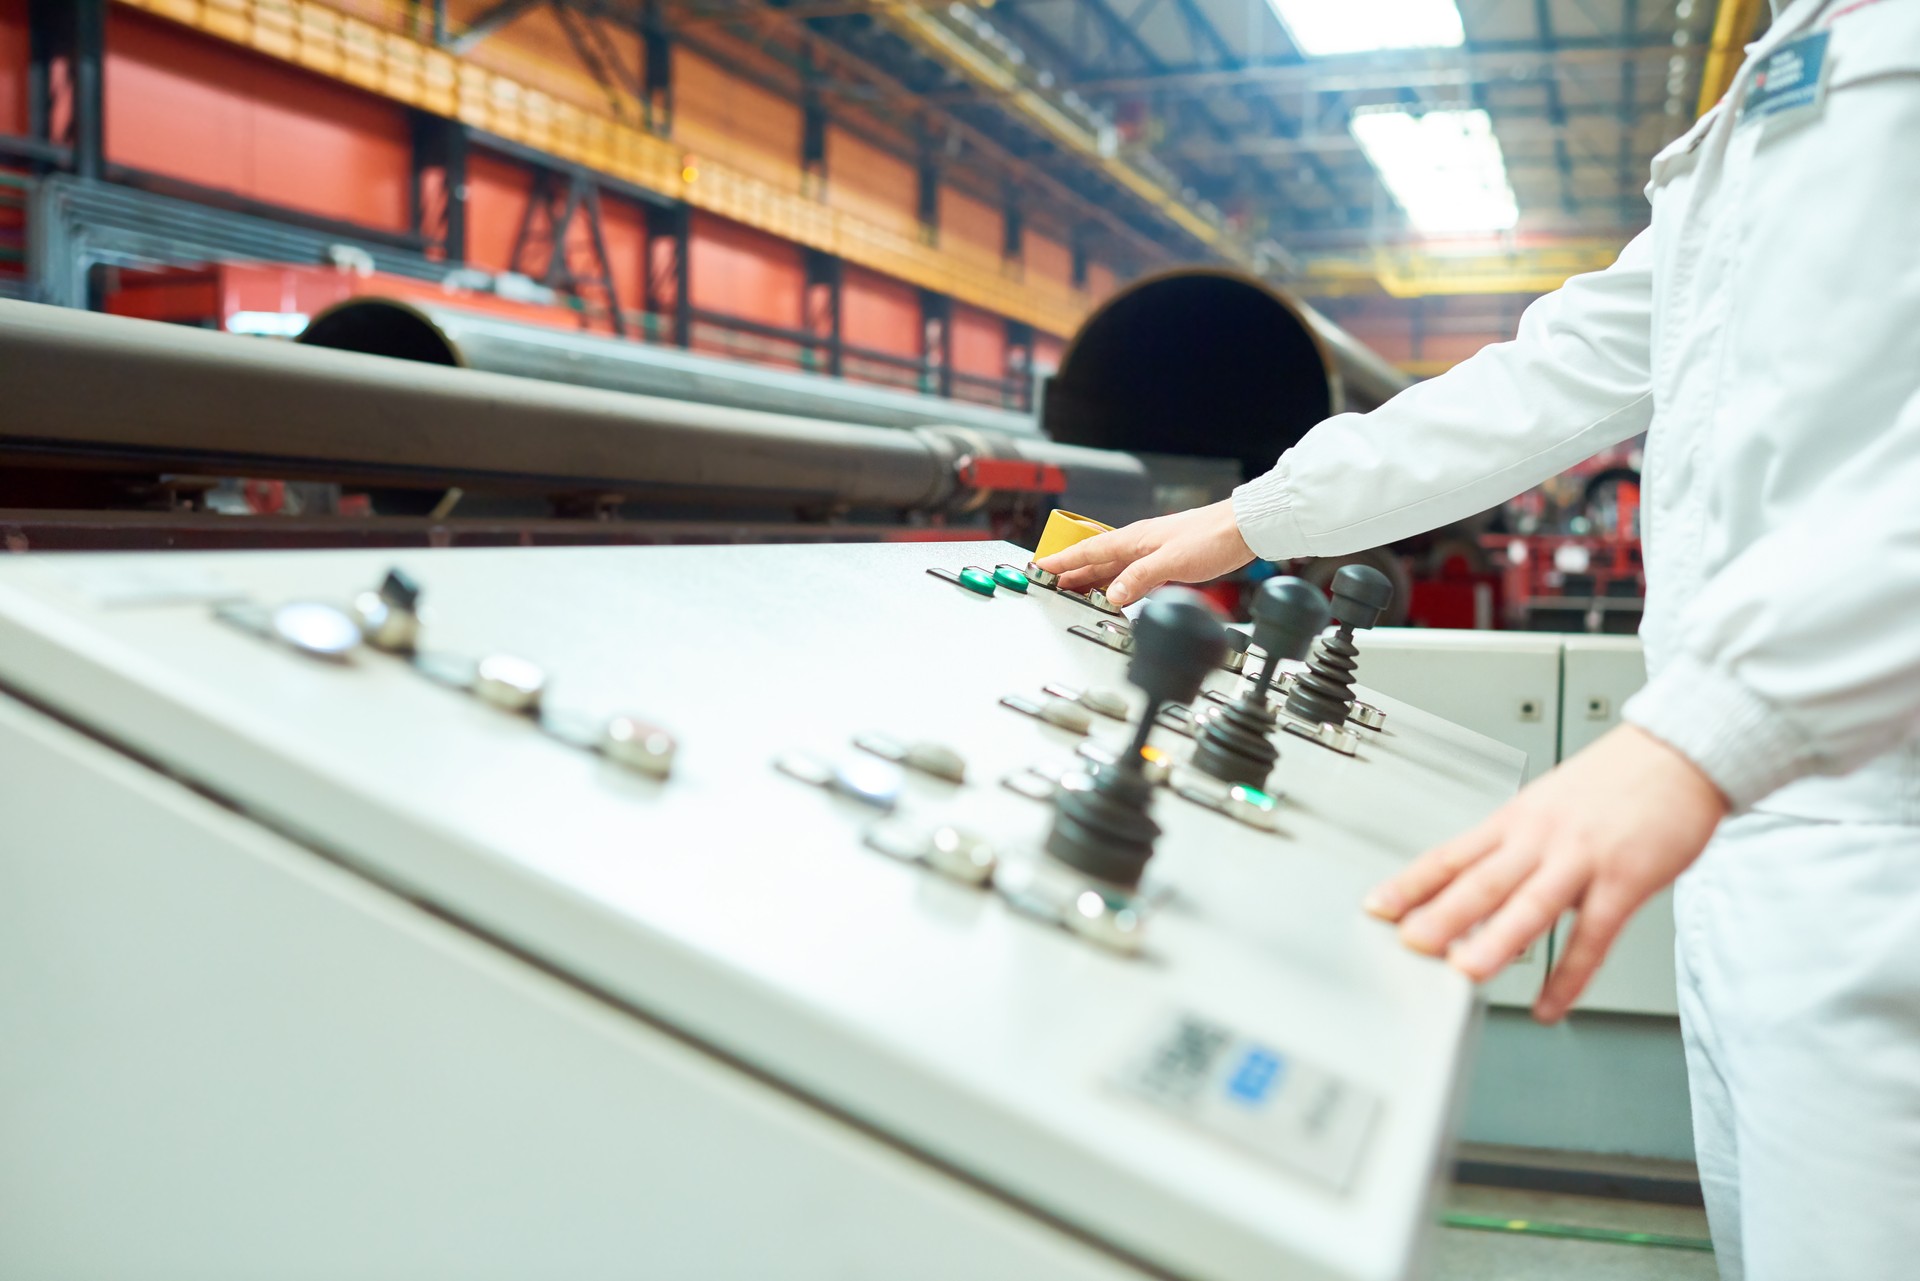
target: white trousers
<point>1799,965</point>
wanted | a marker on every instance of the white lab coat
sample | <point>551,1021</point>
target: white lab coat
<point>1765,332</point>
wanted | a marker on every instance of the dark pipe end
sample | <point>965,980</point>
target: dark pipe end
<point>1196,362</point>
<point>381,327</point>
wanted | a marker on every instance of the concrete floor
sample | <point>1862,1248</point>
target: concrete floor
<point>1472,1255</point>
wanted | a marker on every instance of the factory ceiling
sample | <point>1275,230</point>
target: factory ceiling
<point>1178,129</point>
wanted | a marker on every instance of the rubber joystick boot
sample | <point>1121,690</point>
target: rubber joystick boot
<point>1324,693</point>
<point>1233,745</point>
<point>1102,825</point>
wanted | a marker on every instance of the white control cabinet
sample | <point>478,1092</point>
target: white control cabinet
<point>1549,695</point>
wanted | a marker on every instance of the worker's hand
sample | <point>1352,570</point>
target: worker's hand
<point>1187,547</point>
<point>1601,833</point>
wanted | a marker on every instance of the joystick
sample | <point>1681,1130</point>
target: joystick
<point>1102,826</point>
<point>1233,745</point>
<point>1324,693</point>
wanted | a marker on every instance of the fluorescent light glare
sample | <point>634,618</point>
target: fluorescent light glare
<point>1444,167</point>
<point>1360,26</point>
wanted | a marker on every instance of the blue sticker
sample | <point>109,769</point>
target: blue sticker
<point>1791,78</point>
<point>1259,1072</point>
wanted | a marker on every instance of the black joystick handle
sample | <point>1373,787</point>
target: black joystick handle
<point>1288,613</point>
<point>1324,695</point>
<point>1177,640</point>
<point>1102,827</point>
<point>1361,594</point>
<point>1233,745</point>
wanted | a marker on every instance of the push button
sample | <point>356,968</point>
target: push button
<point>1010,578</point>
<point>977,580</point>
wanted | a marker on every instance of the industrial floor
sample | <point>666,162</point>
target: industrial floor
<point>1493,1254</point>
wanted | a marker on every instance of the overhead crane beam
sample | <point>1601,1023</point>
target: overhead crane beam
<point>1422,273</point>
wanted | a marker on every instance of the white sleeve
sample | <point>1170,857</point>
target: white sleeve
<point>1577,379</point>
<point>1799,657</point>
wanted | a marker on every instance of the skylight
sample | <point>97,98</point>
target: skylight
<point>1443,167</point>
<point>1361,26</point>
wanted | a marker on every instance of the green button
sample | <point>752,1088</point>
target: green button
<point>1009,577</point>
<point>977,580</point>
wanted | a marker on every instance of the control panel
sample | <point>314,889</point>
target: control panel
<point>1061,900</point>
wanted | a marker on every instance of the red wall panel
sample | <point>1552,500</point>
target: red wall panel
<point>1047,351</point>
<point>879,313</point>
<point>1047,259</point>
<point>1101,282</point>
<point>497,193</point>
<point>971,227</point>
<point>625,226</point>
<point>723,115</point>
<point>13,66</point>
<point>746,273</point>
<point>979,342</point>
<point>870,183</point>
<point>205,112</point>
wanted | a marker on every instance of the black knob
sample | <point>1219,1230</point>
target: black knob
<point>1361,594</point>
<point>1177,639</point>
<point>1288,613</point>
<point>1103,826</point>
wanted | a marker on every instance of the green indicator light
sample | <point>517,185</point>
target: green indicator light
<point>977,580</point>
<point>1010,578</point>
<point>1252,796</point>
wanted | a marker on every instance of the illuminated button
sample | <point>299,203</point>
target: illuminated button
<point>1010,578</point>
<point>976,580</point>
<point>316,629</point>
<point>1252,806</point>
<point>638,746</point>
<point>509,683</point>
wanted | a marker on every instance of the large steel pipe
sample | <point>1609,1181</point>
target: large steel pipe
<point>1209,363</point>
<point>76,387</point>
<point>448,336</point>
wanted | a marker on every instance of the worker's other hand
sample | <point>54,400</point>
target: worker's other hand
<point>1186,547</point>
<point>1601,833</point>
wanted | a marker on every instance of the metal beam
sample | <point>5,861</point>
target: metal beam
<point>1733,25</point>
<point>488,21</point>
<point>1493,62</point>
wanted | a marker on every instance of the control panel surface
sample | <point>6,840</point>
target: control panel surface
<point>793,802</point>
